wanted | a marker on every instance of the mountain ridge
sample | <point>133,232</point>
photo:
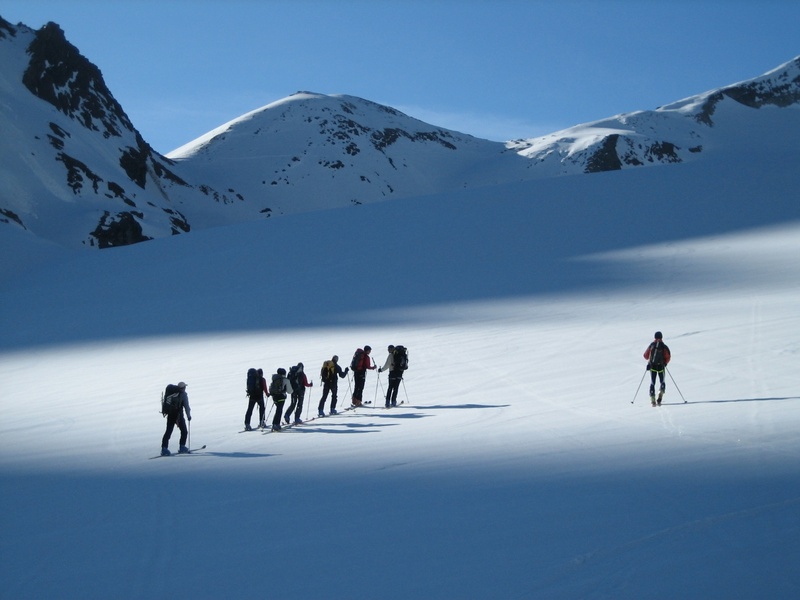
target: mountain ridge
<point>76,172</point>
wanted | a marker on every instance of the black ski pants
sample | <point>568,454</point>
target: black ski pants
<point>296,404</point>
<point>359,379</point>
<point>395,377</point>
<point>253,400</point>
<point>332,387</point>
<point>653,374</point>
<point>175,418</point>
<point>276,420</point>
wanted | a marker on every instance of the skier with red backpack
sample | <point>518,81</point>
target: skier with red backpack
<point>657,356</point>
<point>359,365</point>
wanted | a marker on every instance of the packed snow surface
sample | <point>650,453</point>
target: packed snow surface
<point>525,461</point>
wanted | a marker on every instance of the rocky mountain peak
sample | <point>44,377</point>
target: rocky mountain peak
<point>59,74</point>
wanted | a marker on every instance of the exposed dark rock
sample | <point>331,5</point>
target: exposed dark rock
<point>57,73</point>
<point>388,136</point>
<point>664,152</point>
<point>134,162</point>
<point>781,90</point>
<point>605,158</point>
<point>76,171</point>
<point>6,29</point>
<point>178,221</point>
<point>120,230</point>
<point>6,216</point>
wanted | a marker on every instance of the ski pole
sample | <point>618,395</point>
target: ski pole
<point>375,399</point>
<point>404,390</point>
<point>675,384</point>
<point>640,386</point>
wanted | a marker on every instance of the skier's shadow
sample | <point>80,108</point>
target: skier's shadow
<point>237,454</point>
<point>339,428</point>
<point>777,399</point>
<point>438,406</point>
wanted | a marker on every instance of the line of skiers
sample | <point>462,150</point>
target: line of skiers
<point>293,385</point>
<point>175,401</point>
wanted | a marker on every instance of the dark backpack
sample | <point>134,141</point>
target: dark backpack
<point>294,378</point>
<point>355,364</point>
<point>400,358</point>
<point>276,388</point>
<point>657,356</point>
<point>253,383</point>
<point>171,400</point>
<point>328,371</point>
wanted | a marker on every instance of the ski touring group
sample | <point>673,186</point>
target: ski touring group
<point>290,386</point>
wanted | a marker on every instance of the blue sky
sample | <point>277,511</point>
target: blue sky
<point>497,69</point>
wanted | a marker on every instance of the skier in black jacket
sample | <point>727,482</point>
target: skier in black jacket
<point>330,374</point>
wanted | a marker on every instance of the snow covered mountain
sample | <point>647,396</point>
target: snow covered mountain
<point>678,132</point>
<point>76,172</point>
<point>74,169</point>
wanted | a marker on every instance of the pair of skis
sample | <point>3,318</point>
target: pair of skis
<point>195,451</point>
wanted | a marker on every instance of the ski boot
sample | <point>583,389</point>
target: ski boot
<point>183,450</point>
<point>165,452</point>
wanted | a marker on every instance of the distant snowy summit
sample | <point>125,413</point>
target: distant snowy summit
<point>313,151</point>
<point>76,172</point>
<point>674,133</point>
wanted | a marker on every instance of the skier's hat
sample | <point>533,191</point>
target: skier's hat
<point>658,335</point>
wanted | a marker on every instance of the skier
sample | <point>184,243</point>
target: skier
<point>255,395</point>
<point>299,383</point>
<point>279,389</point>
<point>361,362</point>
<point>395,376</point>
<point>328,375</point>
<point>657,356</point>
<point>176,417</point>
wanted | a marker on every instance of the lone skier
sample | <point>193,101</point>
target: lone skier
<point>657,356</point>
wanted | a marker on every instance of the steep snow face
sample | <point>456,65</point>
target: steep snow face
<point>73,168</point>
<point>677,132</point>
<point>313,151</point>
